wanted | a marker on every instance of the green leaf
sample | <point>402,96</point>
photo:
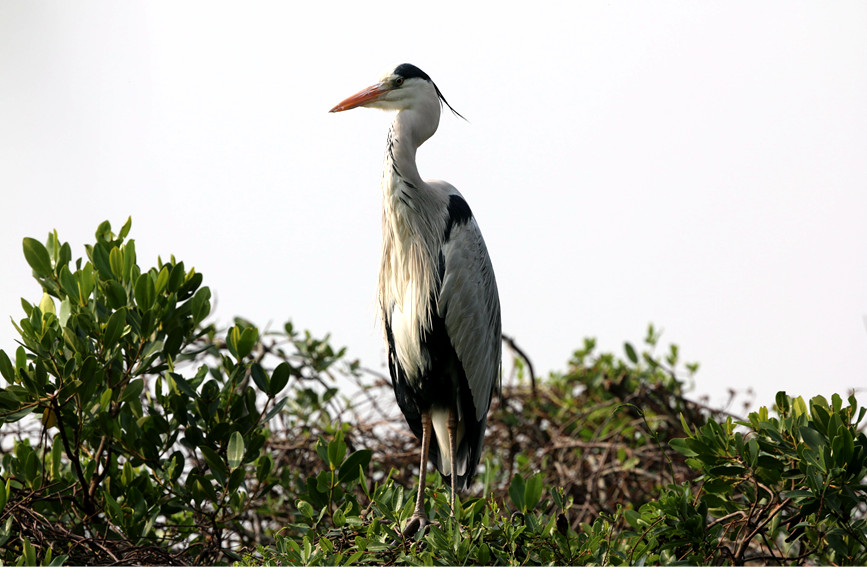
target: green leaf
<point>115,260</point>
<point>246,342</point>
<point>517,491</point>
<point>799,406</point>
<point>753,450</point>
<point>276,409</point>
<point>836,403</point>
<point>29,552</point>
<point>204,489</point>
<point>259,376</point>
<point>176,277</point>
<point>6,368</point>
<point>116,294</point>
<point>8,400</point>
<point>844,446</point>
<point>349,470</point>
<point>200,304</point>
<point>236,479</point>
<point>20,358</point>
<point>339,519</point>
<point>114,328</point>
<point>633,518</point>
<point>126,476</point>
<point>680,445</point>
<point>233,336</point>
<point>124,230</point>
<point>771,463</point>
<point>65,311</point>
<point>216,464</point>
<point>263,467</point>
<point>105,399</point>
<point>336,451</point>
<point>630,353</point>
<point>279,379</point>
<point>484,554</point>
<point>132,391</point>
<point>65,255</point>
<point>28,309</point>
<point>69,284</point>
<point>235,451</point>
<point>40,375</point>
<point>180,383</point>
<point>173,343</point>
<point>6,531</point>
<point>37,256</point>
<point>103,231</point>
<point>305,508</point>
<point>129,259</point>
<point>86,282</point>
<point>46,304</point>
<point>782,402</point>
<point>322,450</point>
<point>100,254</point>
<point>145,294</point>
<point>812,438</point>
<point>175,466</point>
<point>727,470</point>
<point>533,491</point>
<point>323,482</point>
<point>31,466</point>
<point>162,280</point>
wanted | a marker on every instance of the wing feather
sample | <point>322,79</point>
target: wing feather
<point>470,305</point>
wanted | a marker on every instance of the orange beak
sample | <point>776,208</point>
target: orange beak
<point>361,98</point>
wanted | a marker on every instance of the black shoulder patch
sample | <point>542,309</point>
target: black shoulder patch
<point>410,71</point>
<point>458,213</point>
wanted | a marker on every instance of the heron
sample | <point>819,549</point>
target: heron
<point>437,292</point>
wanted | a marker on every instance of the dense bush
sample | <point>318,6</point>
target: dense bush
<point>769,489</point>
<point>133,431</point>
<point>151,442</point>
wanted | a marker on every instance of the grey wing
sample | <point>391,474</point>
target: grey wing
<point>470,305</point>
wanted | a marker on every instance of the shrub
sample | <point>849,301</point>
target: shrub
<point>134,431</point>
<point>787,489</point>
<point>150,446</point>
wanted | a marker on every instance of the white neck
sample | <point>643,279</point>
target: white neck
<point>410,129</point>
<point>413,220</point>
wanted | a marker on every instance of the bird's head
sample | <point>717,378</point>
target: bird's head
<point>403,88</point>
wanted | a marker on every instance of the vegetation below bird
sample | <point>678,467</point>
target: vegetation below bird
<point>135,432</point>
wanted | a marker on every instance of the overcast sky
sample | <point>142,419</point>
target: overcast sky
<point>698,165</point>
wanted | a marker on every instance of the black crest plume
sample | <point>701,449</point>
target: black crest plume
<point>410,71</point>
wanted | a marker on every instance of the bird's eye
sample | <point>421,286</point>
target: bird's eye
<point>398,81</point>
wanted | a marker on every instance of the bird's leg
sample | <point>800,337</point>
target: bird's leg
<point>419,519</point>
<point>452,425</point>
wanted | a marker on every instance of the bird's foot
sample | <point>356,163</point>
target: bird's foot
<point>416,523</point>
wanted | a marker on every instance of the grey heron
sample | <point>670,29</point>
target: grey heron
<point>437,292</point>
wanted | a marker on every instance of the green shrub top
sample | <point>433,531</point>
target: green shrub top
<point>134,431</point>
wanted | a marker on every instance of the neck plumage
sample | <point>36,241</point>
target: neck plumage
<point>410,244</point>
<point>400,152</point>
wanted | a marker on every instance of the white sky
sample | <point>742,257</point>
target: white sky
<point>698,165</point>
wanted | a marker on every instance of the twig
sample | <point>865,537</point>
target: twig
<point>512,345</point>
<point>742,545</point>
